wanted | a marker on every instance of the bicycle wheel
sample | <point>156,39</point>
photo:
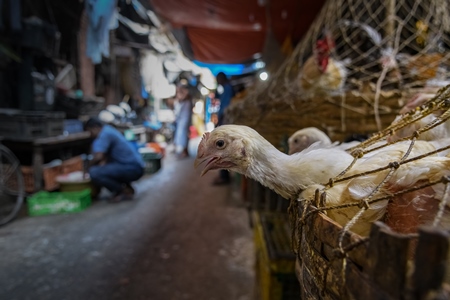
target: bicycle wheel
<point>12,188</point>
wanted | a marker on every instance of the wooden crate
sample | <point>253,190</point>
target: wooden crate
<point>387,266</point>
<point>275,261</point>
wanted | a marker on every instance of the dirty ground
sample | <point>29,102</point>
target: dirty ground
<point>181,238</point>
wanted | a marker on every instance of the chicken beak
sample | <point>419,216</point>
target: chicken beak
<point>197,162</point>
<point>203,156</point>
<point>209,165</point>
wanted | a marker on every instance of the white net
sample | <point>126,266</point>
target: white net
<point>361,46</point>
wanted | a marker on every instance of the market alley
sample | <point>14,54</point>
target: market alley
<point>181,238</point>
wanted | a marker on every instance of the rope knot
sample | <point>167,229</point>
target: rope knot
<point>331,182</point>
<point>394,164</point>
<point>302,221</point>
<point>416,134</point>
<point>339,253</point>
<point>323,199</point>
<point>358,153</point>
<point>445,179</point>
<point>446,102</point>
<point>364,203</point>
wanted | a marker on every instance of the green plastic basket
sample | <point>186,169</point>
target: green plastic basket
<point>45,203</point>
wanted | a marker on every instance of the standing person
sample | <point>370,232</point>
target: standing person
<point>224,97</point>
<point>115,164</point>
<point>183,115</point>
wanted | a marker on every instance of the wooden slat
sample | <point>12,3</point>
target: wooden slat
<point>359,286</point>
<point>387,258</point>
<point>269,203</point>
<point>430,262</point>
<point>310,291</point>
<point>317,266</point>
<point>256,195</point>
<point>62,138</point>
<point>329,231</point>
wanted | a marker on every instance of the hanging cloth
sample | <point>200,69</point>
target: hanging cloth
<point>102,18</point>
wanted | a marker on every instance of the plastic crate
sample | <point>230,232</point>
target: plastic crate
<point>41,36</point>
<point>19,124</point>
<point>72,126</point>
<point>44,203</point>
<point>152,161</point>
<point>73,164</point>
<point>49,174</point>
<point>28,178</point>
<point>275,260</point>
<point>76,108</point>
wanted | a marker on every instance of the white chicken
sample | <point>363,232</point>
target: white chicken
<point>303,138</point>
<point>320,72</point>
<point>242,150</point>
<point>439,132</point>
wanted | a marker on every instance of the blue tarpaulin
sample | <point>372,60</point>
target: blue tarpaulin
<point>232,69</point>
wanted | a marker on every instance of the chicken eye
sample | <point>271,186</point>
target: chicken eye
<point>220,144</point>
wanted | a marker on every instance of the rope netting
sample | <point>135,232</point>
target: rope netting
<point>384,47</point>
<point>303,208</point>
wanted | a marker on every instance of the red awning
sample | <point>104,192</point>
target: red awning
<point>234,31</point>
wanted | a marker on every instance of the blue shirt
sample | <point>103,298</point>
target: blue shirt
<point>111,142</point>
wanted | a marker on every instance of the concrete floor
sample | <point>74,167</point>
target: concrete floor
<point>181,238</point>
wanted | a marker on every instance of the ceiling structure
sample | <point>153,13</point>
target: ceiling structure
<point>235,31</point>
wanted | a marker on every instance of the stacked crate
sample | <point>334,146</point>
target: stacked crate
<point>18,124</point>
<point>275,260</point>
<point>50,172</point>
<point>274,256</point>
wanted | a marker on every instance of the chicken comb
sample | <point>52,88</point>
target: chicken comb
<point>202,146</point>
<point>205,136</point>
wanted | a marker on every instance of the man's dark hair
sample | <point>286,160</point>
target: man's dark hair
<point>93,122</point>
<point>222,76</point>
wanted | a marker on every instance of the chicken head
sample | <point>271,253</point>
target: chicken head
<point>222,149</point>
<point>305,137</point>
<point>323,48</point>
